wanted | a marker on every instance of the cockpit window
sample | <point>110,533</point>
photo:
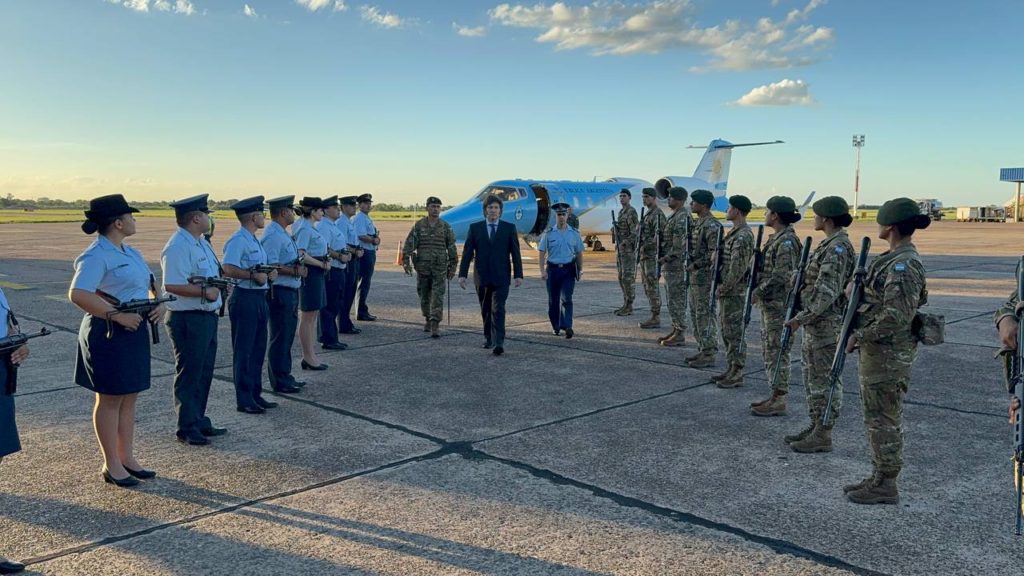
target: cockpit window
<point>506,193</point>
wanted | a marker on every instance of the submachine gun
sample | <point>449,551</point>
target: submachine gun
<point>755,269</point>
<point>10,343</point>
<point>222,284</point>
<point>265,269</point>
<point>856,295</point>
<point>142,307</point>
<point>1016,383</point>
<point>792,303</point>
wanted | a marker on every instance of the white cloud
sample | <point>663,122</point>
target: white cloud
<point>782,93</point>
<point>340,6</point>
<point>613,27</point>
<point>314,5</point>
<point>250,11</point>
<point>469,32</point>
<point>184,7</point>
<point>373,15</point>
<point>180,6</point>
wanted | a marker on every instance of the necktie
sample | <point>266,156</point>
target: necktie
<point>492,227</point>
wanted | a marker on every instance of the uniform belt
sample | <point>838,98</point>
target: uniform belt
<point>280,287</point>
<point>566,265</point>
<point>210,312</point>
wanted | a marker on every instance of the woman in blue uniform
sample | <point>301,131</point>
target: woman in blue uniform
<point>9,443</point>
<point>116,368</point>
<point>313,294</point>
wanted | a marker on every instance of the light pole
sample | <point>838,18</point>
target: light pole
<point>858,143</point>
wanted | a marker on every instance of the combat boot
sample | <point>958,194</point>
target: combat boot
<point>653,322</point>
<point>790,438</point>
<point>773,406</point>
<point>881,490</point>
<point>435,329</point>
<point>819,440</point>
<point>426,325</point>
<point>702,360</point>
<point>667,336</point>
<point>676,338</point>
<point>733,378</point>
<point>717,377</point>
<point>875,477</point>
<point>626,310</point>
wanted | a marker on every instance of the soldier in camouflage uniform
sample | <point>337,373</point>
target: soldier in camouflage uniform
<point>894,289</point>
<point>433,242</point>
<point>822,305</point>
<point>703,237</point>
<point>774,281</point>
<point>737,252</point>
<point>675,247</point>
<point>626,227</point>
<point>1006,324</point>
<point>652,229</point>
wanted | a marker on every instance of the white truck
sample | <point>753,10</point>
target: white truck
<point>931,207</point>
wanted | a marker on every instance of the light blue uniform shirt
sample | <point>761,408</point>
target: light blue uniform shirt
<point>331,232</point>
<point>281,250</point>
<point>364,227</point>
<point>244,251</point>
<point>185,256</point>
<point>308,238</point>
<point>120,272</point>
<point>561,246</point>
<point>5,311</point>
<point>350,231</point>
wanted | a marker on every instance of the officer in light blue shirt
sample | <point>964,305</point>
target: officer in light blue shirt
<point>284,302</point>
<point>349,208</point>
<point>191,321</point>
<point>561,265</point>
<point>330,227</point>
<point>243,257</point>
<point>369,240</point>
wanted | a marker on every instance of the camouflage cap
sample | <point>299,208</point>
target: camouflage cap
<point>650,192</point>
<point>779,204</point>
<point>703,197</point>
<point>831,207</point>
<point>434,200</point>
<point>900,210</point>
<point>740,202</point>
<point>677,193</point>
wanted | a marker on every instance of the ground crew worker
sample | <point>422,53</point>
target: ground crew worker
<point>894,289</point>
<point>432,240</point>
<point>781,256</point>
<point>625,231</point>
<point>650,250</point>
<point>673,259</point>
<point>822,305</point>
<point>703,237</point>
<point>737,252</point>
<point>561,265</point>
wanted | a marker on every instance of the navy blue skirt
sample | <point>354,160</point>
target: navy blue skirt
<point>9,443</point>
<point>313,294</point>
<point>118,365</point>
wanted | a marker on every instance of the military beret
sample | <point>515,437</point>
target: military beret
<point>365,198</point>
<point>254,204</point>
<point>348,201</point>
<point>740,202</point>
<point>281,202</point>
<point>649,192</point>
<point>831,207</point>
<point>703,197</point>
<point>193,204</point>
<point>677,193</point>
<point>433,200</point>
<point>779,204</point>
<point>330,201</point>
<point>626,192</point>
<point>900,210</point>
<point>560,207</point>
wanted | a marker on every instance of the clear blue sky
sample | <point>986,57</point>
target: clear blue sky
<point>409,98</point>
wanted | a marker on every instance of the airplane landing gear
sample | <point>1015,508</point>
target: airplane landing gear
<point>594,243</point>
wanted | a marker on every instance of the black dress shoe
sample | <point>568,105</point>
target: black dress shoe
<point>487,344</point>
<point>265,404</point>
<point>141,474</point>
<point>298,383</point>
<point>335,346</point>
<point>366,318</point>
<point>352,330</point>
<point>287,389</point>
<point>308,366</point>
<point>498,351</point>
<point>556,332</point>
<point>251,409</point>
<point>126,482</point>
<point>192,438</point>
<point>10,567</point>
<point>569,333</point>
<point>213,431</point>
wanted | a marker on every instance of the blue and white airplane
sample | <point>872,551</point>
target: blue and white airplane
<point>527,202</point>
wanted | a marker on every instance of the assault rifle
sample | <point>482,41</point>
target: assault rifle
<point>10,343</point>
<point>686,251</point>
<point>792,303</point>
<point>142,307</point>
<point>755,268</point>
<point>716,275</point>
<point>615,224</point>
<point>1017,381</point>
<point>856,295</point>
<point>222,284</point>
<point>657,248</point>
<point>639,240</point>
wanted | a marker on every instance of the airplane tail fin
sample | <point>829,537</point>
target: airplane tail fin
<point>714,166</point>
<point>802,209</point>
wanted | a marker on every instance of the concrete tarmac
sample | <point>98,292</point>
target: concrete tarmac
<point>602,454</point>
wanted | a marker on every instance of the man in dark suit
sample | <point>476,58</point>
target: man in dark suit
<point>495,247</point>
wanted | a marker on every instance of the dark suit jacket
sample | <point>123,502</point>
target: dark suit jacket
<point>494,259</point>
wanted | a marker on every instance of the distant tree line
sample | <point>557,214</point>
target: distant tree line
<point>9,202</point>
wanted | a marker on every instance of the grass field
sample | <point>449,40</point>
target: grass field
<point>46,216</point>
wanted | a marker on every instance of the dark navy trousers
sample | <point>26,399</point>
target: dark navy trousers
<point>366,265</point>
<point>284,318</point>
<point>249,315</point>
<point>348,296</point>
<point>561,284</point>
<point>335,287</point>
<point>193,336</point>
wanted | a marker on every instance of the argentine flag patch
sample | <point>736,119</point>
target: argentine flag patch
<point>899,267</point>
<point>840,249</point>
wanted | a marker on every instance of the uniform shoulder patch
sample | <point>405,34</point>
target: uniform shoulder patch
<point>899,267</point>
<point>840,249</point>
<point>787,242</point>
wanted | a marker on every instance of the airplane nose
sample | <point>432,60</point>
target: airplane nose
<point>459,218</point>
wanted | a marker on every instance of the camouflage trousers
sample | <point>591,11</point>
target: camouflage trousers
<point>626,261</point>
<point>431,288</point>
<point>816,351</point>
<point>773,316</point>
<point>648,268</point>
<point>884,380</point>
<point>730,317</point>
<point>676,288</point>
<point>705,326</point>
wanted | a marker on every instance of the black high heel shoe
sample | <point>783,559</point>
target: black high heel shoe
<point>122,483</point>
<point>141,474</point>
<point>308,366</point>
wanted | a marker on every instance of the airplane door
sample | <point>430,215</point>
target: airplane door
<point>543,209</point>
